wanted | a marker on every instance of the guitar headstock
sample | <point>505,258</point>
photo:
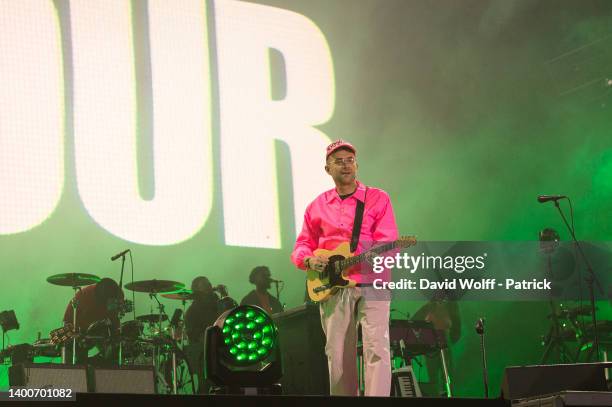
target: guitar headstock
<point>406,241</point>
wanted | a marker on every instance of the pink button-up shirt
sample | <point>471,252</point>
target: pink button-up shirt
<point>328,221</point>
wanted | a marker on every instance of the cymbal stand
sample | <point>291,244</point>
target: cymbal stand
<point>158,352</point>
<point>183,327</point>
<point>174,387</point>
<point>591,279</point>
<point>553,338</point>
<point>75,308</point>
<point>447,379</point>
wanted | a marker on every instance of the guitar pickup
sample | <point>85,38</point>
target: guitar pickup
<point>321,288</point>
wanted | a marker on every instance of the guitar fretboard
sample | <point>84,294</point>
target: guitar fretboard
<point>351,261</point>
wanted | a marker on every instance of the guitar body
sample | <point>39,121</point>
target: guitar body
<point>323,285</point>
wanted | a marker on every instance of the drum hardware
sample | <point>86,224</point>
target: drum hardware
<point>152,318</point>
<point>174,322</point>
<point>115,257</point>
<point>549,242</point>
<point>591,279</point>
<point>183,295</point>
<point>154,287</point>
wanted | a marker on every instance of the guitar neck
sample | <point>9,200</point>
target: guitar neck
<point>351,261</point>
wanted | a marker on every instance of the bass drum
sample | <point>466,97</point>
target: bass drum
<point>131,333</point>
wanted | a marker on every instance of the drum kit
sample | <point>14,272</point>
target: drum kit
<point>149,339</point>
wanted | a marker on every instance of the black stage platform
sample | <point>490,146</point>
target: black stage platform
<point>293,401</point>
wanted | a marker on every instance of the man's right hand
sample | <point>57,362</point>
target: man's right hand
<point>316,263</point>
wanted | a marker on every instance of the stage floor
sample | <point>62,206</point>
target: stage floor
<point>313,401</point>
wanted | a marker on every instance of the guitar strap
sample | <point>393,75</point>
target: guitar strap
<point>357,222</point>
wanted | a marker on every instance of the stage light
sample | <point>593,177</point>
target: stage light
<point>8,320</point>
<point>242,350</point>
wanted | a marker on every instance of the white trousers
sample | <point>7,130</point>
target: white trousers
<point>340,315</point>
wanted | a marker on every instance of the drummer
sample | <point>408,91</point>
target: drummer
<point>96,302</point>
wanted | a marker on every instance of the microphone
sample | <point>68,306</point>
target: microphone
<point>123,253</point>
<point>546,198</point>
<point>276,281</point>
<point>480,326</point>
<point>220,288</point>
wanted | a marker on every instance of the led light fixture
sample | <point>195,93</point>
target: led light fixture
<point>242,349</point>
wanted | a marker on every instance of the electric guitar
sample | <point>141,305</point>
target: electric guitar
<point>61,335</point>
<point>324,284</point>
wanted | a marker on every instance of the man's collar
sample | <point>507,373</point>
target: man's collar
<point>359,193</point>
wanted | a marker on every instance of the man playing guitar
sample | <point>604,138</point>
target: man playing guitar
<point>328,222</point>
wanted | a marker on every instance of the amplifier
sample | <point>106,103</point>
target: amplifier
<point>49,375</point>
<point>129,379</point>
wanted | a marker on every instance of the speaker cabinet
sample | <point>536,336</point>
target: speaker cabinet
<point>302,346</point>
<point>527,381</point>
<point>131,379</point>
<point>49,375</point>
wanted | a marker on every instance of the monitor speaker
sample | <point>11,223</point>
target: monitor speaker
<point>131,379</point>
<point>49,375</point>
<point>528,381</point>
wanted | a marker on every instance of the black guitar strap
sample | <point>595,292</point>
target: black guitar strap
<point>357,222</point>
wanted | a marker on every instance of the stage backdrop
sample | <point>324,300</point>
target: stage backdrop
<point>193,133</point>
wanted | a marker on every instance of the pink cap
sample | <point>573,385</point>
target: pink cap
<point>339,144</point>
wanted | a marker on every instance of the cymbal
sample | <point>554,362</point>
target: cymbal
<point>73,279</point>
<point>151,318</point>
<point>154,286</point>
<point>179,295</point>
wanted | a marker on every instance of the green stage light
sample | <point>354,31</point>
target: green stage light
<point>242,349</point>
<point>248,330</point>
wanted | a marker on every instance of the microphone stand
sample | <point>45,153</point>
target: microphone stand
<point>591,279</point>
<point>277,292</point>
<point>120,330</point>
<point>485,376</point>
